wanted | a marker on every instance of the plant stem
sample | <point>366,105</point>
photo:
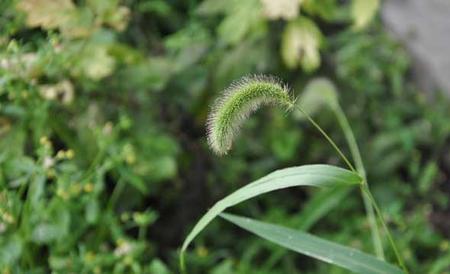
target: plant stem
<point>369,200</point>
<point>375,231</point>
<point>383,223</point>
<point>348,133</point>
<point>345,125</point>
<point>310,119</point>
<point>182,263</point>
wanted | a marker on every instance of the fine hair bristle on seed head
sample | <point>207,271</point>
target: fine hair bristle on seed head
<point>237,102</point>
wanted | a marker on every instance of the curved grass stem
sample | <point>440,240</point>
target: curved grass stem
<point>332,143</point>
<point>369,200</point>
<point>356,155</point>
<point>375,231</point>
<point>366,190</point>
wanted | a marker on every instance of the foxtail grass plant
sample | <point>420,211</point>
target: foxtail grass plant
<point>226,117</point>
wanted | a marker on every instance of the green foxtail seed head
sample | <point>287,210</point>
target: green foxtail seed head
<point>237,102</point>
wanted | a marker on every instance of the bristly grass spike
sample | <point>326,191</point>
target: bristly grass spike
<point>237,102</point>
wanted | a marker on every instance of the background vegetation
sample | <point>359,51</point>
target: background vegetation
<point>104,165</point>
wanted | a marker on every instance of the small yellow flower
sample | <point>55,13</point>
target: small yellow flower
<point>129,154</point>
<point>60,154</point>
<point>7,217</point>
<point>202,251</point>
<point>130,159</point>
<point>51,173</point>
<point>44,141</point>
<point>125,216</point>
<point>62,193</point>
<point>70,154</point>
<point>89,257</point>
<point>89,187</point>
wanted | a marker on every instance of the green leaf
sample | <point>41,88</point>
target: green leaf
<point>95,61</point>
<point>212,7</point>
<point>10,250</point>
<point>48,14</point>
<point>318,93</point>
<point>92,211</point>
<point>243,17</point>
<point>315,209</point>
<point>441,264</point>
<point>225,267</point>
<point>45,233</point>
<point>312,246</point>
<point>363,12</point>
<point>157,266</point>
<point>37,189</point>
<point>300,44</point>
<point>428,177</point>
<point>278,9</point>
<point>308,175</point>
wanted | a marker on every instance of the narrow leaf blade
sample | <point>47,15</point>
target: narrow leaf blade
<point>308,175</point>
<point>312,246</point>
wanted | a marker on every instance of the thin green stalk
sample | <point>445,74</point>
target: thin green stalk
<point>310,119</point>
<point>369,200</point>
<point>383,223</point>
<point>118,189</point>
<point>142,233</point>
<point>367,195</point>
<point>348,133</point>
<point>375,231</point>
<point>345,125</point>
<point>182,264</point>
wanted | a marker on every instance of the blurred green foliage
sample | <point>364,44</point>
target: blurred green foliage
<point>103,160</point>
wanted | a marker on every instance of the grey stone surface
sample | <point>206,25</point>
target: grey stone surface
<point>424,27</point>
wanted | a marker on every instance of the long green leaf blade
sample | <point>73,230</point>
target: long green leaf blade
<point>315,209</point>
<point>308,175</point>
<point>312,246</point>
